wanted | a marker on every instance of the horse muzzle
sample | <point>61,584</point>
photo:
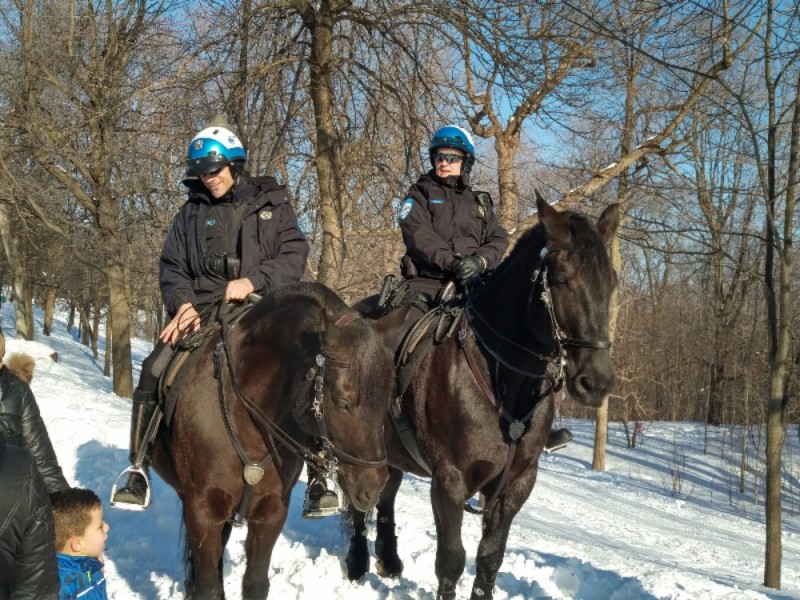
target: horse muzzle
<point>591,384</point>
<point>363,487</point>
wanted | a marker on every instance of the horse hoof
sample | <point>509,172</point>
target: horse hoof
<point>389,568</point>
<point>356,567</point>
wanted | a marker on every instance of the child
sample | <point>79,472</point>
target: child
<point>80,541</point>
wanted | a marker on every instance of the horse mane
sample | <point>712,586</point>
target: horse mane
<point>583,234</point>
<point>359,335</point>
<point>334,306</point>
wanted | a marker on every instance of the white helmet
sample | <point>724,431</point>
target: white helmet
<point>212,149</point>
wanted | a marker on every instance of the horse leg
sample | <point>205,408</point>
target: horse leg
<point>388,563</point>
<point>227,528</point>
<point>357,559</point>
<point>496,524</point>
<point>264,525</point>
<point>204,531</point>
<point>448,513</point>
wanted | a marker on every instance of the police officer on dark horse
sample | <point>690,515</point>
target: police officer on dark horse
<point>451,233</point>
<point>235,236</point>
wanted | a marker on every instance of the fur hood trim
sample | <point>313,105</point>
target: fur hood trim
<point>22,366</point>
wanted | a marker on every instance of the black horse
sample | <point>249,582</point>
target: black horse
<point>300,365</point>
<point>481,402</point>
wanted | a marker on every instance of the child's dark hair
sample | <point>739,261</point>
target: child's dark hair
<point>71,513</point>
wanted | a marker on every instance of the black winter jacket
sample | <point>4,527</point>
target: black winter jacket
<point>28,567</point>
<point>273,250</point>
<point>443,217</point>
<point>23,426</point>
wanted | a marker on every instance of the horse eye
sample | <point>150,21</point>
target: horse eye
<point>340,403</point>
<point>558,279</point>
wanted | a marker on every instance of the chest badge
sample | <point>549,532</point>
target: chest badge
<point>405,209</point>
<point>265,215</point>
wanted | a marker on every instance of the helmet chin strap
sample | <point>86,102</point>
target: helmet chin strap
<point>237,167</point>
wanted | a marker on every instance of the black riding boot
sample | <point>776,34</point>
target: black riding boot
<point>135,494</point>
<point>557,439</point>
<point>319,500</point>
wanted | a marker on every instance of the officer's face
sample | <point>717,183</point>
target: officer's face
<point>448,161</point>
<point>218,182</point>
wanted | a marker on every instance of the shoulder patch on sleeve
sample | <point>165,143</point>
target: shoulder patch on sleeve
<point>405,209</point>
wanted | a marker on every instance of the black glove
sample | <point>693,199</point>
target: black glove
<point>469,268</point>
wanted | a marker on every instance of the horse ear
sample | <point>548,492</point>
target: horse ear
<point>608,222</point>
<point>554,223</point>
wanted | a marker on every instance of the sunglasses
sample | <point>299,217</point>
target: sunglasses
<point>448,158</point>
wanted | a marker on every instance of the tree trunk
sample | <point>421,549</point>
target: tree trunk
<point>98,309</point>
<point>780,357</point>
<point>160,324</point>
<point>23,307</point>
<point>149,323</point>
<point>119,310</point>
<point>49,309</point>
<point>507,148</point>
<point>600,435</point>
<point>109,346</point>
<point>21,291</point>
<point>71,317</point>
<point>320,23</point>
<point>86,327</point>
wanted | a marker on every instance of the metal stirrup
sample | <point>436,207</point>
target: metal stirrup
<point>126,505</point>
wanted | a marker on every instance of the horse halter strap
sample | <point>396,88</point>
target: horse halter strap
<point>539,275</point>
<point>317,375</point>
<point>253,472</point>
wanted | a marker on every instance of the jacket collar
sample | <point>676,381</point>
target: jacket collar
<point>245,189</point>
<point>78,562</point>
<point>458,182</point>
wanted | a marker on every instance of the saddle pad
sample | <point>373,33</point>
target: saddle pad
<point>181,363</point>
<point>186,354</point>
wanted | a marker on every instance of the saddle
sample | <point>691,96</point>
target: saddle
<point>184,356</point>
<point>435,325</point>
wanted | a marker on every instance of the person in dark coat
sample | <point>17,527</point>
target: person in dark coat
<point>28,567</point>
<point>234,236</point>
<point>20,419</point>
<point>450,231</point>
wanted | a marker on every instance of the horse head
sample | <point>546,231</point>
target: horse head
<point>357,381</point>
<point>575,283</point>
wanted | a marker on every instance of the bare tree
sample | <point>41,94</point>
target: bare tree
<point>74,108</point>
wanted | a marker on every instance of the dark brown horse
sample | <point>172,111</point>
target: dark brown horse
<point>481,403</point>
<point>299,365</point>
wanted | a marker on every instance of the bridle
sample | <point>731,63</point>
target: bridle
<point>326,461</point>
<point>556,357</point>
<point>539,275</point>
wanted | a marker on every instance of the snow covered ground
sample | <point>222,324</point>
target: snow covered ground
<point>664,521</point>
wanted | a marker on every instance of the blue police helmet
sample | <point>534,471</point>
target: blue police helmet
<point>212,149</point>
<point>452,136</point>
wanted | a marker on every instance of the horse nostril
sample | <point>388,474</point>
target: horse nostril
<point>585,384</point>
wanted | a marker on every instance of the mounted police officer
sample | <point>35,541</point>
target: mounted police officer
<point>450,231</point>
<point>234,236</point>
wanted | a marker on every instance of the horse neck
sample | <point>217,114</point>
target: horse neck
<point>499,316</point>
<point>503,300</point>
